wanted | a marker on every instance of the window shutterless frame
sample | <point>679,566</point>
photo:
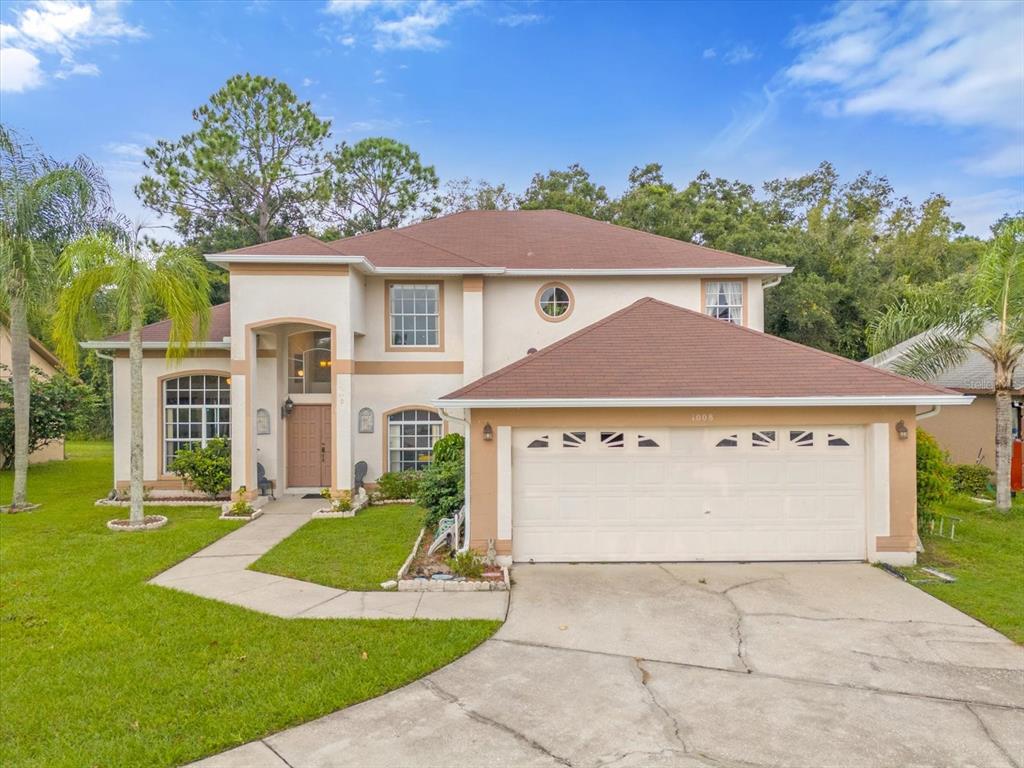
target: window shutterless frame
<point>195,406</point>
<point>409,436</point>
<point>414,315</point>
<point>731,290</point>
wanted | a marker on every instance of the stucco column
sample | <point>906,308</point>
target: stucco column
<point>343,427</point>
<point>242,375</point>
<point>472,328</point>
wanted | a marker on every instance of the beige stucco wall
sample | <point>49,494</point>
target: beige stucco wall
<point>902,537</point>
<point>966,431</point>
<point>512,325</point>
<point>153,368</point>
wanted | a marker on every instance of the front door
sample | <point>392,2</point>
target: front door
<point>309,446</point>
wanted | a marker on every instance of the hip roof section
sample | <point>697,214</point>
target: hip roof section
<point>511,241</point>
<point>653,350</point>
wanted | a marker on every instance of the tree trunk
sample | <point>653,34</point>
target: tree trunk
<point>135,364</point>
<point>1004,449</point>
<point>22,381</point>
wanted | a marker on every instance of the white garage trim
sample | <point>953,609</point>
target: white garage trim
<point>878,483</point>
<point>504,446</point>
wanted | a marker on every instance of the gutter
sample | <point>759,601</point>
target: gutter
<point>226,259</point>
<point>468,482</point>
<point>708,402</point>
<point>153,345</point>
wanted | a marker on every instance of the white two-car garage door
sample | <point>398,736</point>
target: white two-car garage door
<point>755,493</point>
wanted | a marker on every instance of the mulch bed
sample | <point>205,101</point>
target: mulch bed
<point>424,566</point>
<point>149,522</point>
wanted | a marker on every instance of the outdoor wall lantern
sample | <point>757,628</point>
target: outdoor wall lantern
<point>286,409</point>
<point>488,432</point>
<point>901,430</point>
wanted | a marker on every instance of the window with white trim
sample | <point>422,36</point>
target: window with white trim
<point>411,438</point>
<point>415,314</point>
<point>196,409</point>
<point>724,299</point>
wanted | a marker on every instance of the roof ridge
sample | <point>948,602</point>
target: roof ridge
<point>663,237</point>
<point>437,247</point>
<point>544,351</point>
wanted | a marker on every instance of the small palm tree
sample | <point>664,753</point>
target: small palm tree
<point>988,319</point>
<point>119,268</point>
<point>43,205</point>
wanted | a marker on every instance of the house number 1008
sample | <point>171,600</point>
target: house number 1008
<point>702,418</point>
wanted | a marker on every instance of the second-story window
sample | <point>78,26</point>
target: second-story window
<point>724,299</point>
<point>414,314</point>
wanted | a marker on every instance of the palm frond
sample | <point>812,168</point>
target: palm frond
<point>938,351</point>
<point>180,284</point>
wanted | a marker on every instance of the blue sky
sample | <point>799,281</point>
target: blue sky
<point>931,95</point>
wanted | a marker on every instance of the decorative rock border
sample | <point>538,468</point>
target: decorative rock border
<point>10,510</point>
<point>158,503</point>
<point>245,518</point>
<point>457,584</point>
<point>357,505</point>
<point>256,504</point>
<point>149,523</point>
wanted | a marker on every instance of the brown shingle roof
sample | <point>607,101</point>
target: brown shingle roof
<point>652,349</point>
<point>542,240</point>
<point>297,245</point>
<point>220,326</point>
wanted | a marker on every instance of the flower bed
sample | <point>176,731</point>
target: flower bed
<point>433,573</point>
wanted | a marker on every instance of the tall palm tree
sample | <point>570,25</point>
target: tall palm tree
<point>120,268</point>
<point>988,319</point>
<point>43,205</point>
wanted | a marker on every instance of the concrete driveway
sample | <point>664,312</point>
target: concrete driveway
<point>695,665</point>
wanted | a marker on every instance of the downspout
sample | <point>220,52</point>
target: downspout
<point>771,283</point>
<point>469,431</point>
<point>933,411</point>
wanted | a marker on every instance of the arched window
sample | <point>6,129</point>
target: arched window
<point>411,438</point>
<point>309,362</point>
<point>197,407</point>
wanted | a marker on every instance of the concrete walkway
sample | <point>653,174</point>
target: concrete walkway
<point>220,572</point>
<point>694,666</point>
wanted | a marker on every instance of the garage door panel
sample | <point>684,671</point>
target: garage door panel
<point>787,500</point>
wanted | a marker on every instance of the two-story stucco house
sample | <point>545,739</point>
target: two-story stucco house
<point>619,397</point>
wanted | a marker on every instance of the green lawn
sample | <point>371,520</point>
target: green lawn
<point>987,559</point>
<point>98,668</point>
<point>357,552</point>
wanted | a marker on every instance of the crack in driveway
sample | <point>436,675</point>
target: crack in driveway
<point>643,678</point>
<point>451,698</point>
<point>991,737</point>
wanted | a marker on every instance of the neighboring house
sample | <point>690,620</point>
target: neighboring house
<point>44,360</point>
<point>968,434</point>
<point>619,398</point>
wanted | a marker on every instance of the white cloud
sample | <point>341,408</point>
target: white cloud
<point>415,30</point>
<point>739,54</point>
<point>958,64</point>
<point>981,211</point>
<point>709,53</point>
<point>397,24</point>
<point>307,82</point>
<point>376,125</point>
<point>520,19</point>
<point>58,28</point>
<point>350,8</point>
<point>19,70</point>
<point>757,110</point>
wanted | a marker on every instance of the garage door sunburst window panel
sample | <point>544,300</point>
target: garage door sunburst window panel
<point>574,439</point>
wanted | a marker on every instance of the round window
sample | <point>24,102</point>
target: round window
<point>554,301</point>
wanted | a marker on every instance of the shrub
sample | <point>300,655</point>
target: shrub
<point>934,473</point>
<point>450,448</point>
<point>241,507</point>
<point>340,503</point>
<point>466,564</point>
<point>398,485</point>
<point>442,489</point>
<point>59,403</point>
<point>971,479</point>
<point>205,469</point>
